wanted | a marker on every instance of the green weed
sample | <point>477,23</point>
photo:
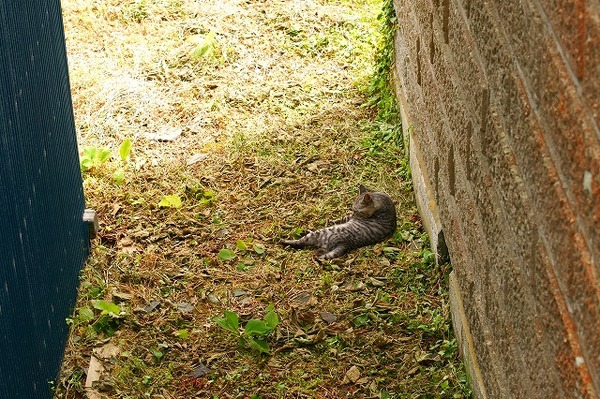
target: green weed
<point>255,331</point>
<point>94,160</point>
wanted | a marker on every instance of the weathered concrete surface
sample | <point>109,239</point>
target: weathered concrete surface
<point>501,108</point>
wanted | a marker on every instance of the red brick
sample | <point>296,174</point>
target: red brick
<point>571,132</point>
<point>590,81</point>
<point>568,22</point>
<point>504,99</point>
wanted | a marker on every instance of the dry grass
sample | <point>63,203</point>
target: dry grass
<point>268,97</point>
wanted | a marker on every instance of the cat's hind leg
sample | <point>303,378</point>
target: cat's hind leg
<point>332,254</point>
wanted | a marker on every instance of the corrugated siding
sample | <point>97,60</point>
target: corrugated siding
<point>43,241</point>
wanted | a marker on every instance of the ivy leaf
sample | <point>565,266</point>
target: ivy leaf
<point>170,201</point>
<point>226,254</point>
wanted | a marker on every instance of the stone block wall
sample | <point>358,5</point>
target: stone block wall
<point>501,106</point>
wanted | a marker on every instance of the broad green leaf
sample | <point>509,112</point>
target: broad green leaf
<point>106,325</point>
<point>230,322</point>
<point>93,157</point>
<point>361,321</point>
<point>256,327</point>
<point>183,334</point>
<point>242,267</point>
<point>259,248</point>
<point>157,354</point>
<point>102,155</point>
<point>85,314</point>
<point>271,319</point>
<point>258,345</point>
<point>226,254</point>
<point>119,176</point>
<point>241,245</point>
<point>297,232</point>
<point>89,154</point>
<point>108,308</point>
<point>170,201</point>
<point>204,202</point>
<point>206,45</point>
<point>125,149</point>
<point>86,163</point>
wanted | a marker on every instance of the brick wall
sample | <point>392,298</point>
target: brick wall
<point>501,106</point>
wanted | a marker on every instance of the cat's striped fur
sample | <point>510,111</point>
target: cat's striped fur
<point>373,219</point>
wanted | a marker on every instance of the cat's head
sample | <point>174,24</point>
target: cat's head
<point>364,206</point>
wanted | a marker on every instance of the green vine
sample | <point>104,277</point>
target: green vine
<point>381,92</point>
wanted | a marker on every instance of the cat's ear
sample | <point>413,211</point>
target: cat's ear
<point>366,199</point>
<point>362,189</point>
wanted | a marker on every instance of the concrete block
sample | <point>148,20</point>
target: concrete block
<point>465,339</point>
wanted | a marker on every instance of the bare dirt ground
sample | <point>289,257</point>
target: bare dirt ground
<point>209,130</point>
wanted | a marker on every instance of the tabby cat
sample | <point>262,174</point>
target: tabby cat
<point>373,219</point>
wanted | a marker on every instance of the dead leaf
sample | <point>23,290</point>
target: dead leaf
<point>185,307</point>
<point>107,351</point>
<point>125,242</point>
<point>357,287</point>
<point>166,133</point>
<point>151,306</point>
<point>94,372</point>
<point>199,371</point>
<point>213,299</point>
<point>196,158</point>
<point>123,296</point>
<point>116,209</point>
<point>317,165</point>
<point>328,317</point>
<point>352,375</point>
<point>376,283</point>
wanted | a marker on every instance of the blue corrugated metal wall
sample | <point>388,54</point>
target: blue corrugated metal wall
<point>43,240</point>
